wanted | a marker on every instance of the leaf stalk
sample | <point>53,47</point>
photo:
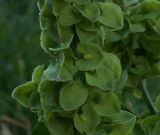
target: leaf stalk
<point>143,88</point>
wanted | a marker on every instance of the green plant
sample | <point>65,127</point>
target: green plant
<point>102,54</point>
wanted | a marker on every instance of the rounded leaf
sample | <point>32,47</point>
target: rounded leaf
<point>140,66</point>
<point>49,92</point>
<point>121,123</point>
<point>37,74</point>
<point>148,9</point>
<point>73,95</point>
<point>151,43</point>
<point>90,11</point>
<point>105,103</point>
<point>87,36</point>
<point>107,74</point>
<point>58,6</point>
<point>23,93</point>
<point>87,120</point>
<point>69,16</point>
<point>149,123</point>
<point>112,15</point>
<point>92,56</point>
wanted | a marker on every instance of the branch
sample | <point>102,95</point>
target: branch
<point>14,122</point>
<point>143,88</point>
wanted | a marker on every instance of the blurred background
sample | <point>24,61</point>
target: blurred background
<point>20,52</point>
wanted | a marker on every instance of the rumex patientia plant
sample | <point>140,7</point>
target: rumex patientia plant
<point>101,54</point>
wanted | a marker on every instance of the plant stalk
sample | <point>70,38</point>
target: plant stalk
<point>146,96</point>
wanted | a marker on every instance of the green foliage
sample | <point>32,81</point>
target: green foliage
<point>101,52</point>
<point>40,129</point>
<point>71,92</point>
<point>24,93</point>
<point>114,20</point>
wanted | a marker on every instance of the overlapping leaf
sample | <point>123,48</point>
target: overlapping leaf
<point>69,16</point>
<point>87,121</point>
<point>71,92</point>
<point>26,94</point>
<point>92,56</point>
<point>114,20</point>
<point>90,11</point>
<point>150,125</point>
<point>104,103</point>
<point>121,123</point>
<point>59,126</point>
<point>61,68</point>
<point>105,76</point>
<point>100,51</point>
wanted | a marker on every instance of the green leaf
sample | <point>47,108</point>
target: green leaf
<point>92,56</point>
<point>133,81</point>
<point>117,124</point>
<point>149,123</point>
<point>61,68</point>
<point>136,27</point>
<point>46,10</point>
<point>49,98</point>
<point>46,42</point>
<point>106,74</point>
<point>86,120</point>
<point>111,15</point>
<point>37,74</point>
<point>53,72</point>
<point>89,26</point>
<point>121,83</point>
<point>65,35</point>
<point>104,103</point>
<point>73,95</point>
<point>156,129</point>
<point>49,25</point>
<point>148,9</point>
<point>60,126</point>
<point>90,11</point>
<point>128,3</point>
<point>66,114</point>
<point>40,129</point>
<point>70,61</point>
<point>87,36</point>
<point>58,6</point>
<point>49,92</point>
<point>79,2</point>
<point>55,37</point>
<point>40,4</point>
<point>121,123</point>
<point>155,24</point>
<point>111,36</point>
<point>140,66</point>
<point>23,93</point>
<point>151,42</point>
<point>157,103</point>
<point>69,16</point>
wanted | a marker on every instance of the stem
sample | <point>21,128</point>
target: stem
<point>122,4</point>
<point>146,96</point>
<point>14,122</point>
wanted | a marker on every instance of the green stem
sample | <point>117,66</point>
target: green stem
<point>122,4</point>
<point>146,96</point>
